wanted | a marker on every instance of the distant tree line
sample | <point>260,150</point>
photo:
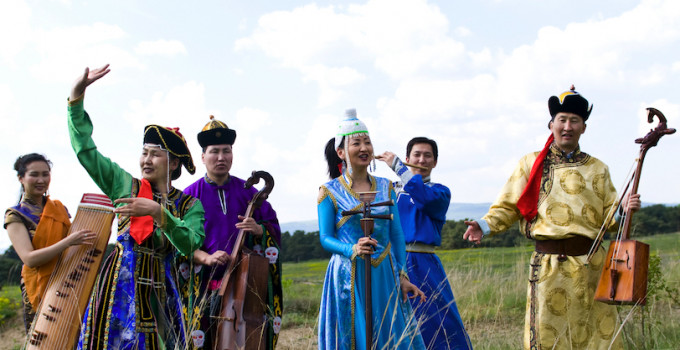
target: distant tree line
<point>301,246</point>
<point>650,220</point>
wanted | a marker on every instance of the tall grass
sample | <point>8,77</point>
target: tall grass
<point>10,303</point>
<point>490,288</point>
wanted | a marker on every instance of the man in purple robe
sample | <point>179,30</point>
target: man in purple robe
<point>225,201</point>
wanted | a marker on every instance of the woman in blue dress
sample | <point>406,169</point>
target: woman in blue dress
<point>341,317</point>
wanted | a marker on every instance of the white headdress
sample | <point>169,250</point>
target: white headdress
<point>349,127</point>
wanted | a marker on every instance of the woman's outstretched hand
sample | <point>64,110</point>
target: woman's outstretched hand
<point>88,77</point>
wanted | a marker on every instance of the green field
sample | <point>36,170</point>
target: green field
<point>490,289</point>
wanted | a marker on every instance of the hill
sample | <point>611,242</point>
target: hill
<point>457,211</point>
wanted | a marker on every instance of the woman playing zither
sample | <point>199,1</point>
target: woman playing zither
<point>37,227</point>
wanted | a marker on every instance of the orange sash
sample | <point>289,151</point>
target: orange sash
<point>53,227</point>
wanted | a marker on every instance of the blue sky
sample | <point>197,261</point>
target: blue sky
<point>474,75</point>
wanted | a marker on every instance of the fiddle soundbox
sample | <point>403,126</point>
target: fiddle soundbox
<point>624,276</point>
<point>243,323</point>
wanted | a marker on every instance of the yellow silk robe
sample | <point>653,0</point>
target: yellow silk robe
<point>575,198</point>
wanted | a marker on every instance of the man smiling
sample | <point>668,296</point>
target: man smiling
<point>422,209</point>
<point>561,197</point>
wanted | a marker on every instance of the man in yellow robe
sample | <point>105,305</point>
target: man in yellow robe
<point>561,197</point>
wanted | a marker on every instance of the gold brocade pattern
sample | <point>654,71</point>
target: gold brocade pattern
<point>561,214</point>
<point>567,317</point>
<point>326,193</point>
<point>385,252</point>
<point>576,196</point>
<point>572,182</point>
<point>346,218</point>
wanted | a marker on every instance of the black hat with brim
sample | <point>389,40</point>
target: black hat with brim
<point>216,133</point>
<point>172,141</point>
<point>570,101</point>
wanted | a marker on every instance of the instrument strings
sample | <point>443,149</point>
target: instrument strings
<point>66,285</point>
<point>611,213</point>
<point>76,268</point>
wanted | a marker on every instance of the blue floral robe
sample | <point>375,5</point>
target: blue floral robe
<point>341,316</point>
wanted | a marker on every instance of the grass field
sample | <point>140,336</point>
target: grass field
<point>490,289</point>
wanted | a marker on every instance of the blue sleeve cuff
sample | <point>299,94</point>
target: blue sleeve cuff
<point>401,170</point>
<point>484,226</point>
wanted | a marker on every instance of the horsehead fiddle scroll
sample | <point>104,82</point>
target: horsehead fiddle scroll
<point>624,275</point>
<point>241,324</point>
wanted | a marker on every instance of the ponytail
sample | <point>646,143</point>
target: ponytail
<point>334,162</point>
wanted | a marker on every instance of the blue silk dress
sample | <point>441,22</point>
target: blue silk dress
<point>341,316</point>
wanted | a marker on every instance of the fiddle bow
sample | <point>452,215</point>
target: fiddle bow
<point>241,324</point>
<point>624,275</point>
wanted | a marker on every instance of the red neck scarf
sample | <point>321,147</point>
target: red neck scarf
<point>528,201</point>
<point>141,227</point>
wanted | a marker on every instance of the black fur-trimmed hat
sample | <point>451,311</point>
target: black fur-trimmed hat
<point>216,133</point>
<point>570,101</point>
<point>171,140</point>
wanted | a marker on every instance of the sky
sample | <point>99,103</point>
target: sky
<point>473,75</point>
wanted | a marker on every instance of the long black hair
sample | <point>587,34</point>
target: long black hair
<point>334,162</point>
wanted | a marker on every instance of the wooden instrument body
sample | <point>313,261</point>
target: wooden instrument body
<point>624,275</point>
<point>626,283</point>
<point>243,297</point>
<point>60,314</point>
<point>243,323</point>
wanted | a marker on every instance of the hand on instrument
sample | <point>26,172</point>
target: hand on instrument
<point>88,77</point>
<point>138,207</point>
<point>632,202</point>
<point>86,237</point>
<point>387,157</point>
<point>365,245</point>
<point>219,257</point>
<point>473,233</point>
<point>409,288</point>
<point>249,224</point>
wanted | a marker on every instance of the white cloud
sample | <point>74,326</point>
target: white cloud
<point>675,67</point>
<point>160,47</point>
<point>594,51</point>
<point>173,107</point>
<point>95,44</point>
<point>400,38</point>
<point>9,110</point>
<point>462,32</point>
<point>251,119</point>
<point>15,28</point>
<point>331,80</point>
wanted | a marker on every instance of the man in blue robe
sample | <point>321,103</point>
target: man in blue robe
<point>422,208</point>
